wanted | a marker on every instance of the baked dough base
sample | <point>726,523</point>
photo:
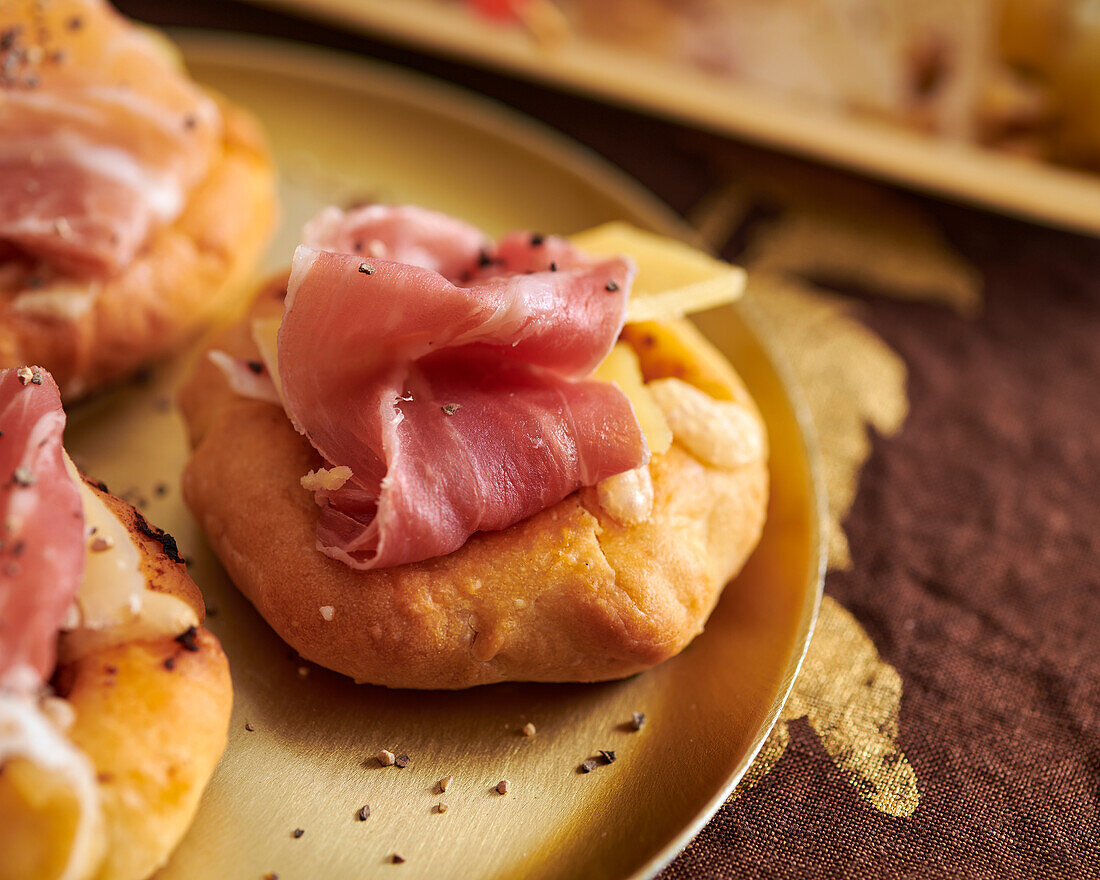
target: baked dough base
<point>190,273</point>
<point>566,595</point>
<point>154,731</point>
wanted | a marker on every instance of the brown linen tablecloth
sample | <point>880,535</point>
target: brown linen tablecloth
<point>947,723</point>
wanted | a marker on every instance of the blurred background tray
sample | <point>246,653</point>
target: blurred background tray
<point>1023,187</point>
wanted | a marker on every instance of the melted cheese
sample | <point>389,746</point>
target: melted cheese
<point>61,300</point>
<point>57,828</point>
<point>673,280</point>
<point>114,604</point>
<point>722,433</point>
<point>627,497</point>
<point>621,367</point>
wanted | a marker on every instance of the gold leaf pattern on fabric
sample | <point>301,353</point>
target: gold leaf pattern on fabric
<point>850,377</point>
<point>835,227</point>
<point>850,698</point>
<point>869,240</point>
<point>848,233</point>
<point>831,226</point>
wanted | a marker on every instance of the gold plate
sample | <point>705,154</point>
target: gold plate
<point>1031,189</point>
<point>343,129</point>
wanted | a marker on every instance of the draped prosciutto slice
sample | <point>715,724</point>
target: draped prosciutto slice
<point>520,440</point>
<point>102,136</point>
<point>401,234</point>
<point>41,527</point>
<point>459,402</point>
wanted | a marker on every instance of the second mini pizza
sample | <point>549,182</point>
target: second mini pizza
<point>432,460</point>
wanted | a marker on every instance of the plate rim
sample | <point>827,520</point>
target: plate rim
<point>1032,190</point>
<point>810,444</point>
<point>443,98</point>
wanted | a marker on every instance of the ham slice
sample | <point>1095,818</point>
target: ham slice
<point>401,234</point>
<point>102,136</point>
<point>460,400</point>
<point>41,527</point>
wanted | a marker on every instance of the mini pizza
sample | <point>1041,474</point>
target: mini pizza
<point>133,203</point>
<point>114,700</point>
<point>434,461</point>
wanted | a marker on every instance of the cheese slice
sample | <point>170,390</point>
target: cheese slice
<point>673,280</point>
<point>265,333</point>
<point>621,367</point>
<point>114,604</point>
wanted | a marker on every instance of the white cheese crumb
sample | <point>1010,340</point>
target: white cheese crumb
<point>72,616</point>
<point>60,300</point>
<point>329,479</point>
<point>328,612</point>
<point>59,712</point>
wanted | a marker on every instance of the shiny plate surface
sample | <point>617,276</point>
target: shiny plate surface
<point>344,130</point>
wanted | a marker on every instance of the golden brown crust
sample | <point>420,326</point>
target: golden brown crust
<point>153,717</point>
<point>566,595</point>
<point>190,273</point>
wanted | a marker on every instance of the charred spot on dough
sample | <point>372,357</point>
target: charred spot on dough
<point>187,639</point>
<point>166,541</point>
<point>172,659</point>
<point>97,484</point>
